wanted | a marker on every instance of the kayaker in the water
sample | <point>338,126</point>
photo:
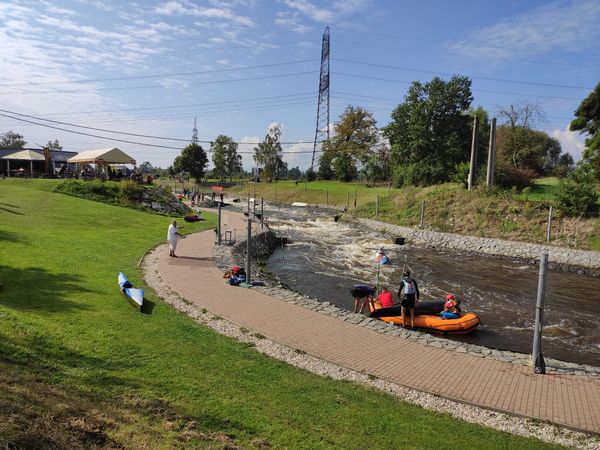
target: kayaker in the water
<point>451,308</point>
<point>408,293</point>
<point>385,298</point>
<point>362,294</point>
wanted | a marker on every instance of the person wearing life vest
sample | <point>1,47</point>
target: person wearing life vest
<point>451,308</point>
<point>362,295</point>
<point>385,298</point>
<point>408,294</point>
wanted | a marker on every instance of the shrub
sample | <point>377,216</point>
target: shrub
<point>577,193</point>
<point>310,175</point>
<point>462,174</point>
<point>131,191</point>
<point>421,174</point>
<point>510,176</point>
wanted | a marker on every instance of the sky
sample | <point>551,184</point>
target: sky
<point>150,68</point>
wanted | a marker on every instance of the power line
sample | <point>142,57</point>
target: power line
<point>478,90</point>
<point>4,114</point>
<point>503,80</point>
<point>167,75</point>
<point>285,75</point>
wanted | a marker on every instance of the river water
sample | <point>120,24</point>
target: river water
<point>325,258</point>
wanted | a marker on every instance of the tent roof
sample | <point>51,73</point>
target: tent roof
<point>25,155</point>
<point>103,156</point>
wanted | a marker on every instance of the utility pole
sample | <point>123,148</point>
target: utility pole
<point>474,144</point>
<point>491,156</point>
<point>539,365</point>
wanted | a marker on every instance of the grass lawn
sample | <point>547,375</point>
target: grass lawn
<point>80,368</point>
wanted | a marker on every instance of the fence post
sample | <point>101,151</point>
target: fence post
<point>347,201</point>
<point>248,250</point>
<point>539,365</point>
<point>422,213</point>
<point>355,197</point>
<point>262,213</point>
<point>549,224</point>
<point>275,193</point>
<point>219,226</point>
<point>389,188</point>
<point>377,206</point>
<point>327,196</point>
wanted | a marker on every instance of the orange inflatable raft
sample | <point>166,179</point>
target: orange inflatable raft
<point>466,323</point>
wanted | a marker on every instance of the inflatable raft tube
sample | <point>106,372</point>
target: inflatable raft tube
<point>427,307</point>
<point>466,323</point>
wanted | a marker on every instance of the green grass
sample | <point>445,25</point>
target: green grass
<point>80,368</point>
<point>544,189</point>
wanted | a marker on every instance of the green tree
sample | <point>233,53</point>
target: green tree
<point>587,120</point>
<point>146,167</point>
<point>54,145</point>
<point>268,153</point>
<point>11,140</point>
<point>430,132</point>
<point>192,160</point>
<point>225,157</point>
<point>344,167</point>
<point>295,173</point>
<point>325,171</point>
<point>525,148</point>
<point>577,192</point>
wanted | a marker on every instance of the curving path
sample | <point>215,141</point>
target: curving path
<point>569,400</point>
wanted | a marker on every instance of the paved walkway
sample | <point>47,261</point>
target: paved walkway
<point>569,400</point>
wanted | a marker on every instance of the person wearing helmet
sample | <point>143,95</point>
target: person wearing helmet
<point>451,308</point>
<point>408,294</point>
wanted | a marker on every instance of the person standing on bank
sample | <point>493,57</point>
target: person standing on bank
<point>409,295</point>
<point>172,236</point>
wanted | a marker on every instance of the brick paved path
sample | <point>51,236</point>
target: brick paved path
<point>569,400</point>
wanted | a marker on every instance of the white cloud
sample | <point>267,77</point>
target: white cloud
<point>247,158</point>
<point>570,141</point>
<point>186,8</point>
<point>292,21</point>
<point>337,10</point>
<point>552,27</point>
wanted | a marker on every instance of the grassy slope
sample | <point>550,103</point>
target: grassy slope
<point>79,367</point>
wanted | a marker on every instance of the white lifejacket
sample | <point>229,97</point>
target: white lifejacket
<point>409,287</point>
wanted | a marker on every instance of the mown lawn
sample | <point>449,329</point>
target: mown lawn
<point>80,368</point>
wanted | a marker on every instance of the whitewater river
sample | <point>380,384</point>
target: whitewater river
<point>325,258</point>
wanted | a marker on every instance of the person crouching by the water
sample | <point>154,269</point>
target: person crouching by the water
<point>385,298</point>
<point>172,236</point>
<point>451,308</point>
<point>362,294</point>
<point>408,293</point>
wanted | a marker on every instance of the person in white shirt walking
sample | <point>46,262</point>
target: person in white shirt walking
<point>172,236</point>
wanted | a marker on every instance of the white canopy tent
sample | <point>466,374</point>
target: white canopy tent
<point>103,156</point>
<point>23,155</point>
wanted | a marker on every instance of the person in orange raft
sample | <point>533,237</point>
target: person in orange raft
<point>385,298</point>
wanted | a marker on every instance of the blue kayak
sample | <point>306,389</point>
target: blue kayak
<point>135,296</point>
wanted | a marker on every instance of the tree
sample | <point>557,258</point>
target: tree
<point>54,145</point>
<point>564,166</point>
<point>430,132</point>
<point>295,173</point>
<point>268,153</point>
<point>355,135</point>
<point>225,157</point>
<point>192,160</point>
<point>587,120</point>
<point>524,148</point>
<point>146,167</point>
<point>12,140</point>
<point>577,192</point>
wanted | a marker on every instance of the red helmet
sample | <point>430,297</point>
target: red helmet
<point>450,297</point>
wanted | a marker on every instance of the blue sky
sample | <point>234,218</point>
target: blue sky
<point>151,67</point>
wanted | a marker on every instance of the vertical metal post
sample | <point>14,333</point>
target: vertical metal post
<point>389,188</point>
<point>275,194</point>
<point>327,196</point>
<point>539,365</point>
<point>347,201</point>
<point>377,207</point>
<point>219,225</point>
<point>549,224</point>
<point>254,206</point>
<point>262,213</point>
<point>249,250</point>
<point>491,164</point>
<point>473,163</point>
<point>248,204</point>
<point>422,213</point>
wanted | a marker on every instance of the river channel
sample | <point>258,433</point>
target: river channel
<point>324,258</point>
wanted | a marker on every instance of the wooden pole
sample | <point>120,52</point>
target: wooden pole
<point>327,196</point>
<point>347,201</point>
<point>377,207</point>
<point>389,188</point>
<point>422,213</point>
<point>474,144</point>
<point>491,156</point>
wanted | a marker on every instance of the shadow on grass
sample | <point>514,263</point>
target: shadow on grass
<point>11,236</point>
<point>147,306</point>
<point>2,208</point>
<point>36,289</point>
